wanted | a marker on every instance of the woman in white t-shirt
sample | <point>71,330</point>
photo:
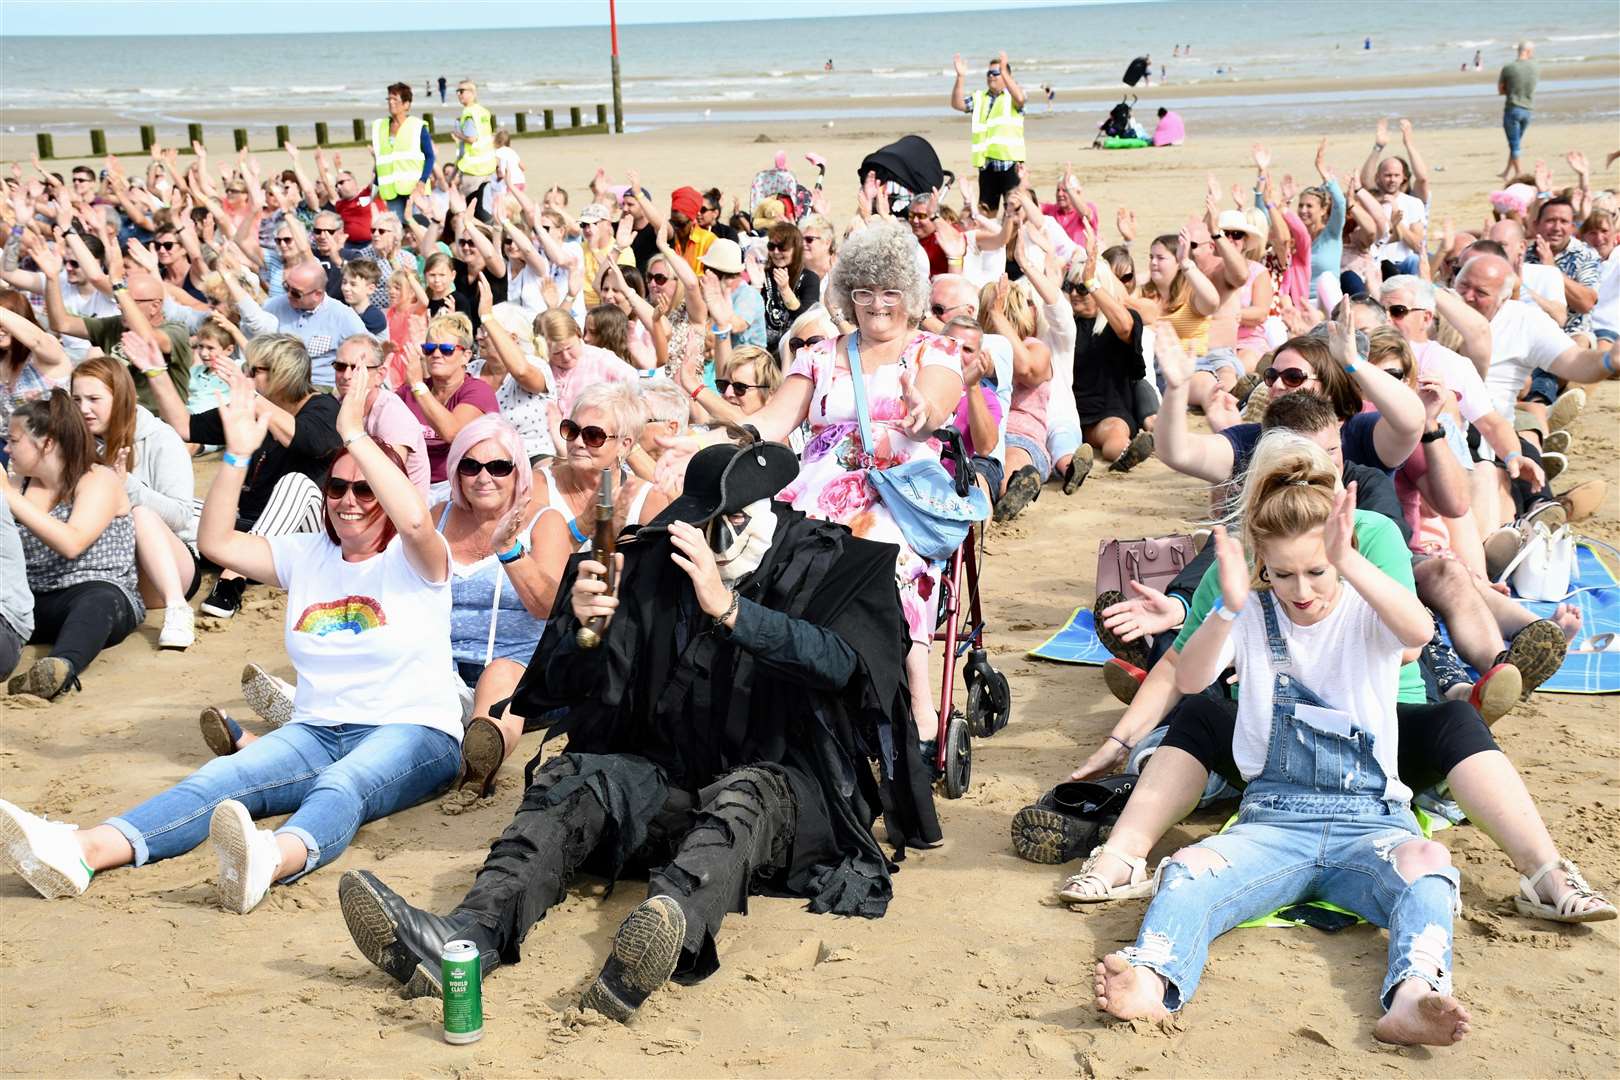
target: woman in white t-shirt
<point>376,724</point>
<point>1316,633</point>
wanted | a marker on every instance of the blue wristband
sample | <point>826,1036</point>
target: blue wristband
<point>1350,369</point>
<point>573,527</point>
<point>511,554</point>
<point>718,331</point>
<point>236,460</point>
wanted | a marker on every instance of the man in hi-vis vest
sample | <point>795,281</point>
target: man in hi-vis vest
<point>475,135</point>
<point>403,149</point>
<point>998,127</point>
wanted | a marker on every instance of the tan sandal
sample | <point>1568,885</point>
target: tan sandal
<point>1090,887</point>
<point>1569,907</point>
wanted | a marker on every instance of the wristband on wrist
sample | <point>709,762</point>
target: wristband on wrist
<point>1433,436</point>
<point>356,437</point>
<point>419,388</point>
<point>153,372</point>
<point>236,461</point>
<point>720,331</point>
<point>1221,611</point>
<point>1511,456</point>
<point>576,532</point>
<point>697,390</point>
<point>736,601</point>
<point>1350,368</point>
<point>513,553</point>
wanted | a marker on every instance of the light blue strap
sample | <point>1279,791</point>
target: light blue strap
<point>860,392</point>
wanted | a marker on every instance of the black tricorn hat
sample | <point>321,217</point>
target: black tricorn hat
<point>723,479</point>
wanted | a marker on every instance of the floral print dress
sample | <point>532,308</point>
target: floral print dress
<point>832,483</point>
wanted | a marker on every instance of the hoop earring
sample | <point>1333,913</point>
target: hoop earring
<point>1264,576</point>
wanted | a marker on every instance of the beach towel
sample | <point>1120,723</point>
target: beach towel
<point>1075,643</point>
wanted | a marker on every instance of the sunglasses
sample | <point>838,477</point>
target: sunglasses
<point>992,73</point>
<point>774,246</point>
<point>236,191</point>
<point>1292,378</point>
<point>1235,235</point>
<point>1127,278</point>
<point>658,279</point>
<point>921,217</point>
<point>71,264</point>
<point>1396,373</point>
<point>810,239</point>
<point>738,388</point>
<point>1400,311</point>
<point>325,232</point>
<point>336,489</point>
<point>470,467</point>
<point>1076,288</point>
<point>797,343</point>
<point>84,179</point>
<point>445,347</point>
<point>592,436</point>
<point>294,293</point>
<point>284,239</point>
<point>165,245</point>
<point>339,365</point>
<point>465,244</point>
<point>260,370</point>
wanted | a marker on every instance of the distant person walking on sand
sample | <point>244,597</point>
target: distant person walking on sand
<point>1478,60</point>
<point>443,86</point>
<point>1517,84</point>
<point>1050,93</point>
<point>998,127</point>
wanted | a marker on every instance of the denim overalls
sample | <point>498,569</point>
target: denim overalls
<point>1314,825</point>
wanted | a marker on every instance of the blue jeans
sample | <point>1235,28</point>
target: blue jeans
<point>1314,825</point>
<point>331,779</point>
<point>1515,119</point>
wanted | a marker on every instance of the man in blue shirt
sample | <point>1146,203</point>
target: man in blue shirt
<point>307,313</point>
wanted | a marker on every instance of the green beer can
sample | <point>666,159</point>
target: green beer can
<point>462,976</point>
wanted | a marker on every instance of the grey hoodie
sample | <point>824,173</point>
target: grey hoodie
<point>162,480</point>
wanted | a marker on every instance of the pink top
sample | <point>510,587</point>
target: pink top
<point>1429,532</point>
<point>965,426</point>
<point>1251,336</point>
<point>1071,220</point>
<point>1169,131</point>
<point>1297,278</point>
<point>391,421</point>
<point>1028,415</point>
<point>594,365</point>
<point>1459,375</point>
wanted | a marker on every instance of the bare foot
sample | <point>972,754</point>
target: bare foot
<point>1568,618</point>
<point>1127,992</point>
<point>1421,1017</point>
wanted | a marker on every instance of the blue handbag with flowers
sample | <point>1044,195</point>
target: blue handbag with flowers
<point>934,511</point>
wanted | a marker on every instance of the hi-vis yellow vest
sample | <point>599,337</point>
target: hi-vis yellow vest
<point>998,129</point>
<point>399,157</point>
<point>478,156</point>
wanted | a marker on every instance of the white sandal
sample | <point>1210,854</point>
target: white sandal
<point>1090,887</point>
<point>1569,906</point>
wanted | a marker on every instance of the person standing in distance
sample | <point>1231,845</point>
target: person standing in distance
<point>1517,85</point>
<point>403,149</point>
<point>998,127</point>
<point>475,137</point>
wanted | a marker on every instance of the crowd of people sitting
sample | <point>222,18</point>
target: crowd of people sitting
<point>414,385</point>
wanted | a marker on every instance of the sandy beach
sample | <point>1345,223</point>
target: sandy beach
<point>976,970</point>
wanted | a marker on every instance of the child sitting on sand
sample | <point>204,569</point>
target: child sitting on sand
<point>1316,635</point>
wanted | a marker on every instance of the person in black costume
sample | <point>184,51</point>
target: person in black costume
<point>720,738</point>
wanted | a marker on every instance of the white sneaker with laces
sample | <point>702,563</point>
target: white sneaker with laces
<point>179,627</point>
<point>43,853</point>
<point>248,857</point>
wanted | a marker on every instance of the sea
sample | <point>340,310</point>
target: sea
<point>880,65</point>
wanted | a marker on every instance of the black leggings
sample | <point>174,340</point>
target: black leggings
<point>1434,739</point>
<point>604,812</point>
<point>82,620</point>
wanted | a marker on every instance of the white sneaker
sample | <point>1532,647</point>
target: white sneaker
<point>43,853</point>
<point>248,857</point>
<point>270,697</point>
<point>179,628</point>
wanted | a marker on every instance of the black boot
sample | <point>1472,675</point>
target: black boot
<point>406,943</point>
<point>646,949</point>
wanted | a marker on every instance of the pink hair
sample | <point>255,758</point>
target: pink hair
<point>495,428</point>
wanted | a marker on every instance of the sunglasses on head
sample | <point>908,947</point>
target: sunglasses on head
<point>470,467</point>
<point>336,489</point>
<point>1292,378</point>
<point>592,436</point>
<point>738,388</point>
<point>797,343</point>
<point>445,347</point>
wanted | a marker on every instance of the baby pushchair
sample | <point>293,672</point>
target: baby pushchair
<point>907,168</point>
<point>1119,123</point>
<point>960,626</point>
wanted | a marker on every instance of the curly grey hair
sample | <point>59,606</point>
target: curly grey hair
<point>878,257</point>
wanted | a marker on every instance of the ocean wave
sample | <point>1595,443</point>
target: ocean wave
<point>1582,37</point>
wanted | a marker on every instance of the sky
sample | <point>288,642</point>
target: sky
<point>19,18</point>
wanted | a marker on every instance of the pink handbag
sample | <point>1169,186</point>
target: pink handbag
<point>1152,562</point>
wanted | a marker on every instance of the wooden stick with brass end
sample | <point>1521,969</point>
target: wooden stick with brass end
<point>604,544</point>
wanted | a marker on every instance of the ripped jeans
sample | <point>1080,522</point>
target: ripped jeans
<point>1314,825</point>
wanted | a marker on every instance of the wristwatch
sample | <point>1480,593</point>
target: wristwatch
<point>1433,436</point>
